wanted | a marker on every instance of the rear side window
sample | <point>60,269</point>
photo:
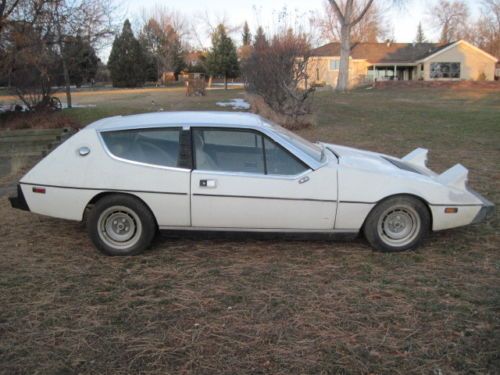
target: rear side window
<point>150,146</point>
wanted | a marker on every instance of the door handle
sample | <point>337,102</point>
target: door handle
<point>208,183</point>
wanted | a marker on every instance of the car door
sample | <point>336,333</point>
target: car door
<point>242,179</point>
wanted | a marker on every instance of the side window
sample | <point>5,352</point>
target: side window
<point>150,146</point>
<point>228,150</point>
<point>280,162</point>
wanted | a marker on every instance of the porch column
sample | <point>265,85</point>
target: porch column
<point>395,71</point>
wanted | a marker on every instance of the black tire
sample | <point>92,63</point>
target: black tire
<point>400,216</point>
<point>120,224</point>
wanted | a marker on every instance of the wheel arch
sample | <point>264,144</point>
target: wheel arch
<point>103,194</point>
<point>401,195</point>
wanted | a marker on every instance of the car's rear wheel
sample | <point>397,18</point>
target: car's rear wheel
<point>397,224</point>
<point>119,224</point>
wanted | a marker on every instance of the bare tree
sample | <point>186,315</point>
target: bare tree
<point>164,36</point>
<point>451,18</point>
<point>25,38</point>
<point>486,31</point>
<point>90,19</point>
<point>205,24</point>
<point>372,27</point>
<point>31,63</point>
<point>277,72</point>
<point>7,7</point>
<point>349,13</point>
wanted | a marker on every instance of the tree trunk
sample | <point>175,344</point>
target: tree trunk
<point>225,81</point>
<point>345,51</point>
<point>67,83</point>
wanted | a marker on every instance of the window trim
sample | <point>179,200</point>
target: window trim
<point>307,168</point>
<point>446,78</point>
<point>139,163</point>
<point>264,128</point>
<point>330,61</point>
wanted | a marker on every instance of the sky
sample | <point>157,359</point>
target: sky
<point>264,12</point>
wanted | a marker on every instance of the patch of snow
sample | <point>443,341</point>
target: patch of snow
<point>74,105</point>
<point>237,103</point>
<point>11,107</point>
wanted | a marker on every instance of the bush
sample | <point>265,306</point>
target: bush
<point>277,72</point>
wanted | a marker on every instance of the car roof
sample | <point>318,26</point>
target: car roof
<point>157,119</point>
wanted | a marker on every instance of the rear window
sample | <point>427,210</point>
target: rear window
<point>150,146</point>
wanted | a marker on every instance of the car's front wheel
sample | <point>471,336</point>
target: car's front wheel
<point>119,224</point>
<point>397,224</point>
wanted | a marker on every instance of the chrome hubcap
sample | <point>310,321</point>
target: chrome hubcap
<point>399,226</point>
<point>119,227</point>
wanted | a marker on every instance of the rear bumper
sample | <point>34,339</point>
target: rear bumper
<point>19,201</point>
<point>486,211</point>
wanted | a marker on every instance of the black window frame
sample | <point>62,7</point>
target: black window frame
<point>250,130</point>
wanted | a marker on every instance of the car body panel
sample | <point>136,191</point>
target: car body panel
<point>71,181</point>
<point>369,177</point>
<point>265,202</point>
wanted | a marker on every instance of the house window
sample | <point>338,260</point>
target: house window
<point>445,70</point>
<point>334,64</point>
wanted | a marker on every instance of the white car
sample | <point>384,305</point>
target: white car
<point>130,176</point>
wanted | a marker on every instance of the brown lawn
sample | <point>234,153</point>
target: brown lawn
<point>244,304</point>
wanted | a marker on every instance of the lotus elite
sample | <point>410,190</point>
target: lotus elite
<point>128,177</point>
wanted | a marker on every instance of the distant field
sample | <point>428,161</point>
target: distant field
<point>240,304</point>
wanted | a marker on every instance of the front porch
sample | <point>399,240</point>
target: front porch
<point>393,72</point>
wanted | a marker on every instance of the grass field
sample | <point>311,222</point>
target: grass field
<point>240,304</point>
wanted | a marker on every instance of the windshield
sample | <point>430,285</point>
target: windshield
<point>315,151</point>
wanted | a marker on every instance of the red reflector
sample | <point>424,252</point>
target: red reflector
<point>450,210</point>
<point>39,190</point>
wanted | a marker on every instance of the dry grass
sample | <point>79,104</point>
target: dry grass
<point>241,304</point>
<point>22,120</point>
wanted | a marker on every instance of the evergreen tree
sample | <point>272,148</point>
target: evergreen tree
<point>151,39</point>
<point>260,38</point>
<point>222,58</point>
<point>127,59</point>
<point>420,38</point>
<point>246,36</point>
<point>81,59</point>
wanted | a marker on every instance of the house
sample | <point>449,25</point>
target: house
<point>370,62</point>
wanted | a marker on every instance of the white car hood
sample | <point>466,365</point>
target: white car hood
<point>411,166</point>
<point>373,161</point>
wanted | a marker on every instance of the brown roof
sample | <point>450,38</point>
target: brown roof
<point>383,52</point>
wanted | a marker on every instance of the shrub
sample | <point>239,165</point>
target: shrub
<point>277,72</point>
